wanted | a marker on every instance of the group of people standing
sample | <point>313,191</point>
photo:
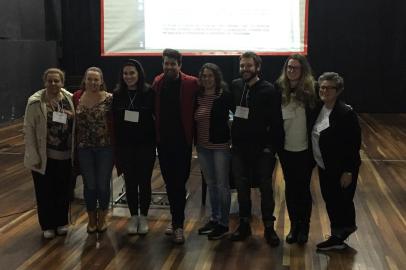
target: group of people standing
<point>96,129</point>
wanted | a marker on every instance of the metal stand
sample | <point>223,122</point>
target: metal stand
<point>159,199</point>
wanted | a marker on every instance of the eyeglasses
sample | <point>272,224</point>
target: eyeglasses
<point>327,87</point>
<point>294,67</point>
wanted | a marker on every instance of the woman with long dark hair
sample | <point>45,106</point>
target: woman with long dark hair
<point>134,128</point>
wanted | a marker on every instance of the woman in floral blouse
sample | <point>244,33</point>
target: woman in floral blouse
<point>94,146</point>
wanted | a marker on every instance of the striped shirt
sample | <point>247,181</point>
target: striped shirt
<point>202,118</point>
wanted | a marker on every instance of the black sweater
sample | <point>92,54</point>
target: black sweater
<point>264,126</point>
<point>130,133</point>
<point>219,131</point>
<point>340,143</point>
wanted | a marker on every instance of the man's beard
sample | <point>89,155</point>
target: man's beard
<point>252,75</point>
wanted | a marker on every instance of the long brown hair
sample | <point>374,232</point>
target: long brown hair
<point>218,78</point>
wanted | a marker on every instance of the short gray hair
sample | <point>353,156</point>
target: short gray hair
<point>332,76</point>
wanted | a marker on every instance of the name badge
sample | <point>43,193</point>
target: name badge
<point>59,117</point>
<point>242,112</point>
<point>288,113</point>
<point>131,116</point>
<point>323,125</point>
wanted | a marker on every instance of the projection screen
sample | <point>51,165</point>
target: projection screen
<point>203,27</point>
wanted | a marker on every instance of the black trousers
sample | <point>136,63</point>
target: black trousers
<point>52,193</point>
<point>252,167</point>
<point>137,164</point>
<point>297,170</point>
<point>339,201</point>
<point>174,160</point>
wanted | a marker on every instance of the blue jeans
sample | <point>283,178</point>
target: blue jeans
<point>96,165</point>
<point>215,165</point>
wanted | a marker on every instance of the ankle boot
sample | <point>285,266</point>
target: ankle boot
<point>242,232</point>
<point>303,233</point>
<point>101,220</point>
<point>270,236</point>
<point>292,236</point>
<point>92,225</point>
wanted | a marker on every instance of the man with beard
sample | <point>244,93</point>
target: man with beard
<point>257,134</point>
<point>174,107</point>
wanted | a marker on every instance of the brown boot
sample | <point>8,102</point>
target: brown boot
<point>92,225</point>
<point>101,220</point>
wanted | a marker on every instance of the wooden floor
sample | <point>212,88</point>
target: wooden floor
<point>379,243</point>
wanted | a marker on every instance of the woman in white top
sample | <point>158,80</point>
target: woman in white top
<point>298,101</point>
<point>336,141</point>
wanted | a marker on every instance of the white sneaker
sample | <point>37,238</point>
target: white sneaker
<point>143,225</point>
<point>49,234</point>
<point>169,229</point>
<point>62,230</point>
<point>132,227</point>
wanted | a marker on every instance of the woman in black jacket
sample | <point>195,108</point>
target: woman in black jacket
<point>336,141</point>
<point>213,134</point>
<point>134,130</point>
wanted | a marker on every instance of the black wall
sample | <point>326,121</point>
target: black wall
<point>26,50</point>
<point>363,40</point>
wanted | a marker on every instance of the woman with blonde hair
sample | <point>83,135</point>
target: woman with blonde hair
<point>94,145</point>
<point>48,127</point>
<point>298,102</point>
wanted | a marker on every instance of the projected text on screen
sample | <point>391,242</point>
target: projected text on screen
<point>131,27</point>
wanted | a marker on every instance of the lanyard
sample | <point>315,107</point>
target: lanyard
<point>59,104</point>
<point>246,89</point>
<point>131,105</point>
<point>59,107</point>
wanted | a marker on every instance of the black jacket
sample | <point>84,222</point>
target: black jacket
<point>340,143</point>
<point>219,131</point>
<point>264,126</point>
<point>129,133</point>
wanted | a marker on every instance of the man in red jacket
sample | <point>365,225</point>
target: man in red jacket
<point>174,107</point>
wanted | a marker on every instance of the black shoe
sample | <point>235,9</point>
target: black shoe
<point>292,236</point>
<point>242,232</point>
<point>332,243</point>
<point>347,232</point>
<point>303,234</point>
<point>271,237</point>
<point>208,227</point>
<point>219,232</point>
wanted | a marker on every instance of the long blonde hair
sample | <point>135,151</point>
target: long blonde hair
<point>305,89</point>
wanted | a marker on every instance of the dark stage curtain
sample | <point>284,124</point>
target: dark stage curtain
<point>362,40</point>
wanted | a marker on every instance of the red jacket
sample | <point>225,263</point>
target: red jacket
<point>188,91</point>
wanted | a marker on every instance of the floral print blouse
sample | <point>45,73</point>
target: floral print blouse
<point>92,124</point>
